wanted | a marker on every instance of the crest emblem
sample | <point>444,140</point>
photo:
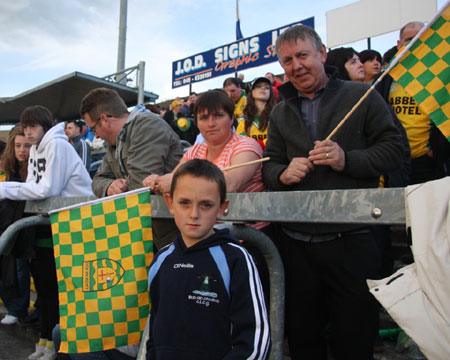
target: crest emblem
<point>101,274</point>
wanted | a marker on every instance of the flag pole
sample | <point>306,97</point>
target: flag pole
<point>246,163</point>
<point>238,28</point>
<point>390,67</point>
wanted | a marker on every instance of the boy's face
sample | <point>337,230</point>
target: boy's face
<point>34,133</point>
<point>196,207</point>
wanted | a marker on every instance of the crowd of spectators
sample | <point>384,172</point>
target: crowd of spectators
<point>387,142</point>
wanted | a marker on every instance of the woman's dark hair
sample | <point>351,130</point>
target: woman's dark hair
<point>251,111</point>
<point>338,57</point>
<point>201,168</point>
<point>366,55</point>
<point>37,115</point>
<point>13,169</point>
<point>213,101</point>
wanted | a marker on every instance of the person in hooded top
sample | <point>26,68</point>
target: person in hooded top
<point>54,167</point>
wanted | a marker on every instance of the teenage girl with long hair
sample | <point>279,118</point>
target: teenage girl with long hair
<point>17,297</point>
<point>260,102</point>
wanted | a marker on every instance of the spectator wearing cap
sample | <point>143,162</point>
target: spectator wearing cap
<point>73,131</point>
<point>174,112</point>
<point>371,60</point>
<point>260,101</point>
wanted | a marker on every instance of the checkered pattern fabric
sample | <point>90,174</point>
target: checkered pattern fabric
<point>424,72</point>
<point>103,250</point>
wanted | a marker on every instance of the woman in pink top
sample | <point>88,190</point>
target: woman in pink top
<point>214,116</point>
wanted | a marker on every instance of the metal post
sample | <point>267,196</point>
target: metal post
<point>276,274</point>
<point>368,43</point>
<point>122,42</point>
<point>141,74</point>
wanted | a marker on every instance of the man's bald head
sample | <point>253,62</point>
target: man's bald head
<point>408,31</point>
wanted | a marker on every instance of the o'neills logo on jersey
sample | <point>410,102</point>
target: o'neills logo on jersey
<point>183,266</point>
<point>101,274</point>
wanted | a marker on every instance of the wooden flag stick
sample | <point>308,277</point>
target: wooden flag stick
<point>245,164</point>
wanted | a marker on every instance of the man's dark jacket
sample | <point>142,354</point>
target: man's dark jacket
<point>369,138</point>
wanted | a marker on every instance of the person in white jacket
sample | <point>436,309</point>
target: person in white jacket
<point>54,169</point>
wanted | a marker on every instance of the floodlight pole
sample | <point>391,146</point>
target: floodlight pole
<point>122,42</point>
<point>141,74</point>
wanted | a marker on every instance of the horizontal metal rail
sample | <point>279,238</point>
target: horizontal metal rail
<point>366,206</point>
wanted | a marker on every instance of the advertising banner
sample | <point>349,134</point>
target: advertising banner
<point>234,57</point>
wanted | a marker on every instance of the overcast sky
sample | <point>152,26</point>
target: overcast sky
<point>42,40</point>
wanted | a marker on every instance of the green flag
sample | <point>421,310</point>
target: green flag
<point>102,252</point>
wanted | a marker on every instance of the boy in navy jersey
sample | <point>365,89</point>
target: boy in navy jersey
<point>207,300</point>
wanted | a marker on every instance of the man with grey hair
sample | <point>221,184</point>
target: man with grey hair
<point>429,148</point>
<point>326,265</point>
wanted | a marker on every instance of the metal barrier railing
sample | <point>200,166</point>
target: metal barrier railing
<point>367,206</point>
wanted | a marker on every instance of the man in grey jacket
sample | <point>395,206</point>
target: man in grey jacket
<point>327,299</point>
<point>140,143</point>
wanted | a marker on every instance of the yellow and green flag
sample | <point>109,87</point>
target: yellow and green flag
<point>103,250</point>
<point>424,71</point>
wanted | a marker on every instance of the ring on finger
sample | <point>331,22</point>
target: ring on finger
<point>326,156</point>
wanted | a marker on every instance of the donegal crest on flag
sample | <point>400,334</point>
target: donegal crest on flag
<point>103,249</point>
<point>424,71</point>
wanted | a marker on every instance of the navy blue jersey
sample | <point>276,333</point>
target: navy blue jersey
<point>207,302</point>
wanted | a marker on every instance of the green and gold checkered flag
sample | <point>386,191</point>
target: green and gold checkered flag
<point>103,249</point>
<point>424,70</point>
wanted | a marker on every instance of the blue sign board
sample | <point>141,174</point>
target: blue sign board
<point>237,56</point>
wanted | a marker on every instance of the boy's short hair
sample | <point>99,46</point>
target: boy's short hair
<point>213,101</point>
<point>102,101</point>
<point>201,168</point>
<point>37,115</point>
